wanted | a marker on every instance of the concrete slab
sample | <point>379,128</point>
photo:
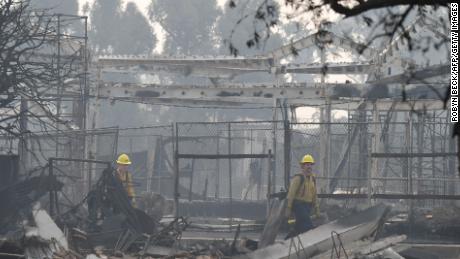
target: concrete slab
<point>318,240</point>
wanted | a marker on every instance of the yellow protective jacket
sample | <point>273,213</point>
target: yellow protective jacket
<point>127,181</point>
<point>305,193</point>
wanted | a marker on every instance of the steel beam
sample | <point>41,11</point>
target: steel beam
<point>264,102</point>
<point>405,155</point>
<point>415,76</point>
<point>213,71</point>
<point>392,196</point>
<point>329,69</point>
<point>265,91</point>
<point>213,67</point>
<point>382,104</point>
<point>321,38</point>
<point>216,61</point>
<point>222,156</point>
<point>298,93</point>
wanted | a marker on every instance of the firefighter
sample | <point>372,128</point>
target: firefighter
<point>125,176</point>
<point>302,198</point>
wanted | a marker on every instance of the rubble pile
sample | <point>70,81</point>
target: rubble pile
<point>443,221</point>
<point>103,225</point>
<point>432,225</point>
<point>106,225</point>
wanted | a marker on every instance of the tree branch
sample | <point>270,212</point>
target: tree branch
<point>377,4</point>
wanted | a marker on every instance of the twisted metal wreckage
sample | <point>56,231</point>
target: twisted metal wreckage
<point>105,218</point>
<point>111,221</point>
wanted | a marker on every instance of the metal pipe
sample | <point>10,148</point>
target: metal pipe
<point>190,190</point>
<point>222,156</point>
<point>79,160</point>
<point>269,182</point>
<point>217,193</point>
<point>176,171</point>
<point>274,144</point>
<point>230,173</point>
<point>51,191</point>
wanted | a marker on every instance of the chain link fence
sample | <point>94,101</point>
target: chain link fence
<point>67,149</point>
<point>400,157</point>
<point>247,160</point>
<point>229,160</point>
<point>151,152</point>
<point>38,148</point>
<point>78,177</point>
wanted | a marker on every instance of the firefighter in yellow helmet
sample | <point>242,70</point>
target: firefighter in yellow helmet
<point>302,197</point>
<point>125,176</point>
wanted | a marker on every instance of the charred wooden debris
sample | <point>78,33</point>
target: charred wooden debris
<point>106,225</point>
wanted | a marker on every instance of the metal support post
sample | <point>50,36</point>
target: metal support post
<point>374,172</point>
<point>349,152</point>
<point>217,193</point>
<point>59,82</point>
<point>325,130</point>
<point>420,130</point>
<point>176,170</point>
<point>51,191</point>
<point>190,189</point>
<point>229,137</point>
<point>410,146</point>
<point>275,125</point>
<point>409,171</point>
<point>269,182</point>
<point>151,152</point>
<point>287,143</point>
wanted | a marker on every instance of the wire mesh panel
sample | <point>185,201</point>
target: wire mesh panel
<point>348,145</point>
<point>62,155</point>
<point>399,154</point>
<point>258,138</point>
<point>202,139</point>
<point>78,176</point>
<point>38,148</point>
<point>305,139</point>
<point>151,152</point>
<point>420,153</point>
<point>227,159</point>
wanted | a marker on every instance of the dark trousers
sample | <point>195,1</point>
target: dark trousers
<point>302,212</point>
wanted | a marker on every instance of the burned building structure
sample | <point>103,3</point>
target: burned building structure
<point>389,145</point>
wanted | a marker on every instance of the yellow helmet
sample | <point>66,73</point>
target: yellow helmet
<point>123,159</point>
<point>307,159</point>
